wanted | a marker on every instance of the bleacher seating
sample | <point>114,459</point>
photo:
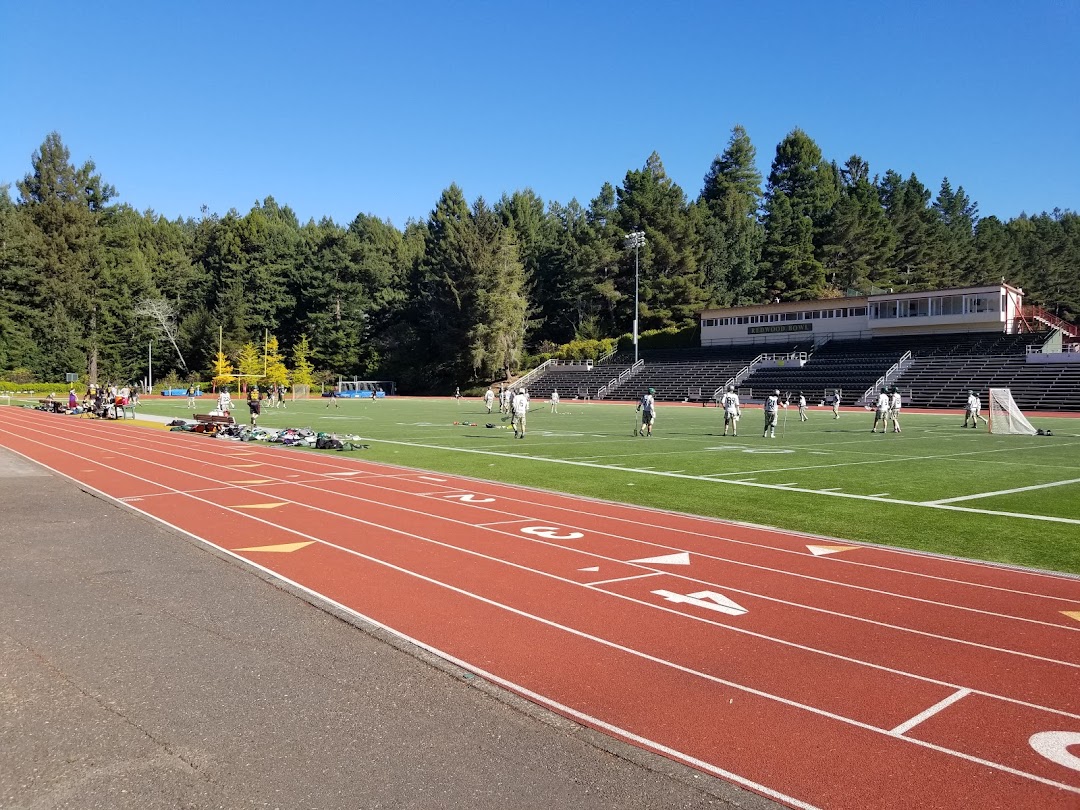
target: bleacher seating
<point>944,382</point>
<point>944,367</point>
<point>691,375</point>
<point>575,384</point>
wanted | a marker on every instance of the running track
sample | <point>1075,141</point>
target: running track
<point>864,677</point>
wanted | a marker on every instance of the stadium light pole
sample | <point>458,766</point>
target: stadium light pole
<point>636,240</point>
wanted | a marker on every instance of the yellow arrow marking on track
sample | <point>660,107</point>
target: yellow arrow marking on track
<point>1072,614</point>
<point>259,506</point>
<point>821,551</point>
<point>284,548</point>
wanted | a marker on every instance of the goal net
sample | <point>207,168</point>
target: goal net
<point>300,392</point>
<point>1005,417</point>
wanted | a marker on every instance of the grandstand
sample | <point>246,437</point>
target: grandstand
<point>933,345</point>
<point>575,381</point>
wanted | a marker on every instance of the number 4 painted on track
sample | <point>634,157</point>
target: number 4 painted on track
<point>705,599</point>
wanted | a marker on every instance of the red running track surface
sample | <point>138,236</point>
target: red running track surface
<point>865,677</point>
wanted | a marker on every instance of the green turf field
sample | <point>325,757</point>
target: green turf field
<point>935,487</point>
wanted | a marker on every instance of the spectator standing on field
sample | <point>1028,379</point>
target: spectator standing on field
<point>489,399</point>
<point>554,401</point>
<point>836,404</point>
<point>647,406</point>
<point>772,405</point>
<point>802,408</point>
<point>191,397</point>
<point>732,410</point>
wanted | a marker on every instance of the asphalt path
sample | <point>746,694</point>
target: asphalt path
<point>139,668</point>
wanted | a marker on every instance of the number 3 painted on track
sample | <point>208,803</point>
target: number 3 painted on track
<point>551,533</point>
<point>1054,746</point>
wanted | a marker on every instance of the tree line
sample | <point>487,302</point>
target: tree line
<point>469,293</point>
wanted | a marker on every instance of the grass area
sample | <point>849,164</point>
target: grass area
<point>825,476</point>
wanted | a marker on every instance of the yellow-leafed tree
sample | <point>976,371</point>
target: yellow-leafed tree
<point>303,369</point>
<point>276,372</point>
<point>223,372</point>
<point>250,361</point>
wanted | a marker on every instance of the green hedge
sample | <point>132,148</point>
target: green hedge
<point>43,389</point>
<point>688,337</point>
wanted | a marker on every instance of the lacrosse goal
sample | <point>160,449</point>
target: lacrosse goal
<point>1005,416</point>
<point>300,392</point>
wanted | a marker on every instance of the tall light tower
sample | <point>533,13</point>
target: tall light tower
<point>636,240</point>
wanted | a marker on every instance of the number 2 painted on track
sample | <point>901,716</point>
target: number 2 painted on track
<point>705,599</point>
<point>551,533</point>
<point>469,498</point>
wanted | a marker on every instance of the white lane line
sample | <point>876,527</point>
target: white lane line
<point>904,728</point>
<point>573,631</point>
<point>1006,491</point>
<point>829,489</point>
<point>623,579</point>
<point>274,456</point>
<point>429,478</point>
<point>746,564</point>
<point>744,631</point>
<point>878,495</point>
<point>500,522</point>
<point>748,482</point>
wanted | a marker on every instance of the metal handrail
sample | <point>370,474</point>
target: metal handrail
<point>614,382</point>
<point>894,370</point>
<point>527,378</point>
<point>1050,319</point>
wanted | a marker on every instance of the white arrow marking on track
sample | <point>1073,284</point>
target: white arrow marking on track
<point>682,558</point>
<point>821,551</point>
<point>705,599</point>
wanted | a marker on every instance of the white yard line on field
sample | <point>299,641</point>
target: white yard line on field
<point>743,482</point>
<point>1005,491</point>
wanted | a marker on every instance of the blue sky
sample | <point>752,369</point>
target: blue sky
<point>339,108</point>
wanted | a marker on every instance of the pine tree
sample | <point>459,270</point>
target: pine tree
<point>958,216</point>
<point>794,274</point>
<point>63,206</point>
<point>671,282</point>
<point>803,189</point>
<point>859,242</point>
<point>732,234</point>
